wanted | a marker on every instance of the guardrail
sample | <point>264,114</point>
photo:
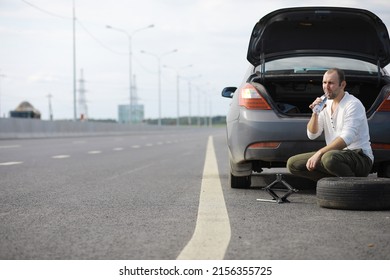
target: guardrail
<point>15,128</point>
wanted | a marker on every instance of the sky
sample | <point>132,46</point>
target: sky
<point>211,38</point>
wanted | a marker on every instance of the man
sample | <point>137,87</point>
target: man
<point>348,151</point>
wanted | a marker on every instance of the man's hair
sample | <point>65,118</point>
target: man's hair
<point>340,74</point>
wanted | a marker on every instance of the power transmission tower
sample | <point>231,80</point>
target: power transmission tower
<point>50,108</point>
<point>83,109</point>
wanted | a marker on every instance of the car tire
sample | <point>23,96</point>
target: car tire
<point>354,193</point>
<point>239,182</point>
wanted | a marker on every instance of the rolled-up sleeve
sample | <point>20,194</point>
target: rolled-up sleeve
<point>313,136</point>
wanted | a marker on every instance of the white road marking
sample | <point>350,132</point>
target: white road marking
<point>118,149</point>
<point>149,145</point>
<point>60,156</point>
<point>11,163</point>
<point>135,146</point>
<point>212,232</point>
<point>9,146</point>
<point>94,152</point>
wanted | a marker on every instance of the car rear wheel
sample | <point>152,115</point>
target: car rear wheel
<point>239,182</point>
<point>354,193</point>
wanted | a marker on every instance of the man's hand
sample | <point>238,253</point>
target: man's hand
<point>314,161</point>
<point>315,103</point>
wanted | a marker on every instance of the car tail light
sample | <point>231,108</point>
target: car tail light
<point>265,145</point>
<point>380,146</point>
<point>385,105</point>
<point>251,98</point>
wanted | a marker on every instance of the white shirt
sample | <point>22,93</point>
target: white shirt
<point>349,122</point>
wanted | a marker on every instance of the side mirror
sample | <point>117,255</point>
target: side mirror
<point>228,92</point>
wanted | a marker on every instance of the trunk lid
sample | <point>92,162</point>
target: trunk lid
<point>326,31</point>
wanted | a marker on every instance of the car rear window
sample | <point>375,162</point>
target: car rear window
<point>317,64</point>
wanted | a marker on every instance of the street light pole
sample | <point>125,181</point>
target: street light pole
<point>74,63</point>
<point>178,90</point>
<point>1,76</point>
<point>189,97</point>
<point>129,37</point>
<point>158,57</point>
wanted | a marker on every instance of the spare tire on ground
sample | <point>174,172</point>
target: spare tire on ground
<point>354,193</point>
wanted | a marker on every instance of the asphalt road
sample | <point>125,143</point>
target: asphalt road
<point>150,195</point>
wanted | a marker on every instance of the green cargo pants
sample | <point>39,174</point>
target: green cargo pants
<point>336,163</point>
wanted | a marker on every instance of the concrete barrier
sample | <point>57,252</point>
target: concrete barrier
<point>15,128</point>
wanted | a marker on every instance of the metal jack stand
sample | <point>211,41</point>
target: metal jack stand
<point>276,198</point>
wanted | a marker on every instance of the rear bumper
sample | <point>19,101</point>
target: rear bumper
<point>262,127</point>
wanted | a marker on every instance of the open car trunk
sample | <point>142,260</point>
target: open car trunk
<point>356,33</point>
<point>292,95</point>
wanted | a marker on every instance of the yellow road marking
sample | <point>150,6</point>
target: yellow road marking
<point>212,232</point>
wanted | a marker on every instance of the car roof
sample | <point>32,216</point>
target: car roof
<point>326,31</point>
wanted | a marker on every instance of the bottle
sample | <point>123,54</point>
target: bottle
<point>318,108</point>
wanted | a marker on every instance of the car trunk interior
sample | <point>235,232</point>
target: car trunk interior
<point>293,95</point>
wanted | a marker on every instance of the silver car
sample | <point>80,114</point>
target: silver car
<point>289,51</point>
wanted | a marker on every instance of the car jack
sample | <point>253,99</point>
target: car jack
<point>275,197</point>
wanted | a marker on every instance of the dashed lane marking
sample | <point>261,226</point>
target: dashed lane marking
<point>94,152</point>
<point>212,231</point>
<point>9,146</point>
<point>60,156</point>
<point>118,149</point>
<point>11,163</point>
